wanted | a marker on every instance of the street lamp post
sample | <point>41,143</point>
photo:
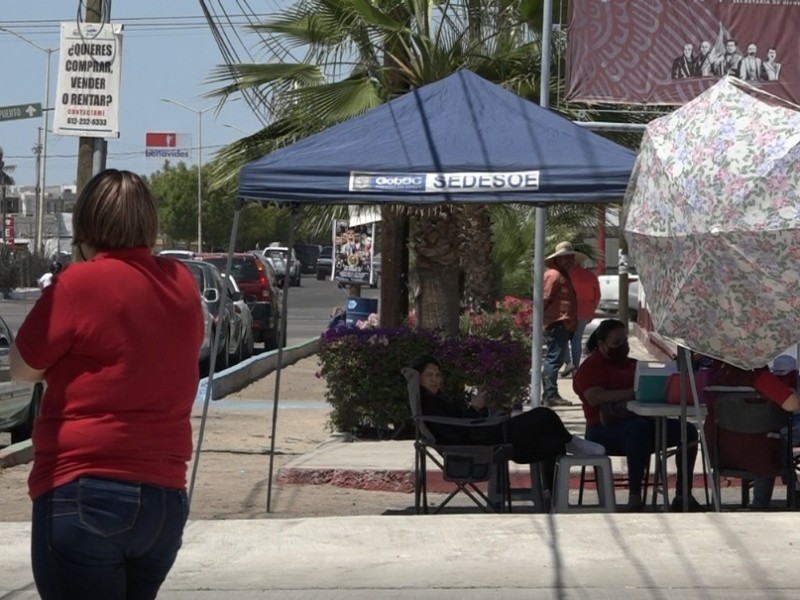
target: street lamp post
<point>199,113</point>
<point>42,170</point>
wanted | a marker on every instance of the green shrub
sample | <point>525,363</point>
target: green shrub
<point>366,388</point>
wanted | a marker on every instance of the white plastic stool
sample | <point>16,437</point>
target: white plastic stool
<point>603,481</point>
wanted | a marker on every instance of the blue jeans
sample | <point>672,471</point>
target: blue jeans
<point>556,339</point>
<point>576,343</point>
<point>634,438</point>
<point>103,539</point>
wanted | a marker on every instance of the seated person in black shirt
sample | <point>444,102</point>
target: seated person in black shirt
<point>535,435</point>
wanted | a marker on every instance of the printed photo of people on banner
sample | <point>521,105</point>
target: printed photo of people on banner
<point>667,52</point>
<point>353,248</point>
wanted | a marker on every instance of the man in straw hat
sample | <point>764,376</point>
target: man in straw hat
<point>560,318</point>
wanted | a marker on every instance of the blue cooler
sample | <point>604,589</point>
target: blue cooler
<point>358,309</point>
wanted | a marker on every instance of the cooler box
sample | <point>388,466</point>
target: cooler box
<point>358,309</point>
<point>650,381</point>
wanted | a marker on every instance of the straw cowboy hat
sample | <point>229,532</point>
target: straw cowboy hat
<point>565,249</point>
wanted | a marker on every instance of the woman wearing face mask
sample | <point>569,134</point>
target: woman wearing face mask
<point>604,383</point>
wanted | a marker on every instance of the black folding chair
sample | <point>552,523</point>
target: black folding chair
<point>463,465</point>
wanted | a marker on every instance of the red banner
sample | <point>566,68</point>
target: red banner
<point>669,51</point>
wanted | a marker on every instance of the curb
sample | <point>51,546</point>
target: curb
<point>16,454</point>
<point>400,480</point>
<point>243,374</point>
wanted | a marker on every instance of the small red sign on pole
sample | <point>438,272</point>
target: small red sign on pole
<point>9,231</point>
<point>160,140</point>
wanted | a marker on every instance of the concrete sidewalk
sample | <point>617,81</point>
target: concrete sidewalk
<point>614,556</point>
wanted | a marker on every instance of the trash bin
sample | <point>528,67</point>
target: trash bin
<point>358,309</point>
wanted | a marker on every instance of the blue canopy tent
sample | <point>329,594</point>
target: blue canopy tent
<point>461,139</point>
<point>419,148</point>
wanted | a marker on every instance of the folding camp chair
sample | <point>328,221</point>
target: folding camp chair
<point>463,465</point>
<point>750,412</point>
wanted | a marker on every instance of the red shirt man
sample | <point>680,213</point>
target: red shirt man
<point>587,291</point>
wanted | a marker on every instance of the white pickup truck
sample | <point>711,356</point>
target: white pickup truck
<point>609,294</point>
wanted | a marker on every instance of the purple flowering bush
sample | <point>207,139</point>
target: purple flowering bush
<point>367,390</point>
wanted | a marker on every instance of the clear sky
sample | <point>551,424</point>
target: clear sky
<point>168,52</point>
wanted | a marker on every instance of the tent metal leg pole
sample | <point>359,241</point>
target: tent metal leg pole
<point>541,219</point>
<point>281,335</point>
<point>538,307</point>
<point>212,361</point>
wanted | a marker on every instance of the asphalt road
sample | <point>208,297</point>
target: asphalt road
<point>310,307</point>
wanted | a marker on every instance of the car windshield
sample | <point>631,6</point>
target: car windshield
<point>242,269</point>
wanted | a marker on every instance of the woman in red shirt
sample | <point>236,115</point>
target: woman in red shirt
<point>116,337</point>
<point>604,383</point>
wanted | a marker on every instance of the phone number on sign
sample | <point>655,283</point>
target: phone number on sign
<point>76,121</point>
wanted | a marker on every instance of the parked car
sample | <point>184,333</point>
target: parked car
<point>278,256</point>
<point>258,281</point>
<point>220,301</point>
<point>325,263</point>
<point>19,401</point>
<point>244,319</point>
<point>308,254</point>
<point>609,294</point>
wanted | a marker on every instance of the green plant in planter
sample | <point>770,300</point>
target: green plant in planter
<point>365,387</point>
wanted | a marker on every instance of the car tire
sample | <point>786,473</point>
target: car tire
<point>271,340</point>
<point>24,431</point>
<point>223,358</point>
<point>320,276</point>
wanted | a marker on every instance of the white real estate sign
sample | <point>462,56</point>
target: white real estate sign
<point>89,66</point>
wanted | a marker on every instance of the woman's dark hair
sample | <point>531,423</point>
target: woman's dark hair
<point>601,333</point>
<point>422,361</point>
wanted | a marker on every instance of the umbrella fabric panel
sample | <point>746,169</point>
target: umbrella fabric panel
<point>725,161</point>
<point>733,297</point>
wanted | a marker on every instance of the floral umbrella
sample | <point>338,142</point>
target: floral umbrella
<point>712,219</point>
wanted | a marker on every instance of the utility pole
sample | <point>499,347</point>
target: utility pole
<point>91,150</point>
<point>37,152</point>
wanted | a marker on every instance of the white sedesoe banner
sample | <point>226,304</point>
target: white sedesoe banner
<point>428,183</point>
<point>89,66</point>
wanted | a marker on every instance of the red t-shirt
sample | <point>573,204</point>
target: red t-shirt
<point>750,452</point>
<point>118,338</point>
<point>599,371</point>
<point>587,291</point>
